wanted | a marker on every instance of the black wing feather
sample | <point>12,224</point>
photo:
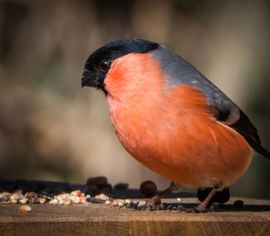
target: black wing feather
<point>250,133</point>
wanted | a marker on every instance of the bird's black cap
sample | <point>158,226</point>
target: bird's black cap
<point>98,63</point>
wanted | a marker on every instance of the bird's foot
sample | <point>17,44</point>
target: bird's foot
<point>153,203</point>
<point>205,205</point>
<point>199,209</point>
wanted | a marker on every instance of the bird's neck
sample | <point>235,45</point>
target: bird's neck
<point>134,77</point>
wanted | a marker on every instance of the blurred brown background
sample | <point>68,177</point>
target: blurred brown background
<point>52,129</point>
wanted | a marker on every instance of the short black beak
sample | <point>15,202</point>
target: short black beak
<point>88,78</point>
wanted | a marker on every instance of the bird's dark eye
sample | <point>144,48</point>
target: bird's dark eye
<point>105,65</point>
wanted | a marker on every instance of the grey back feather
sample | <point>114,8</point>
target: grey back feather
<point>180,72</point>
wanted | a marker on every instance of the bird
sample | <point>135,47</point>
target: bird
<point>171,118</point>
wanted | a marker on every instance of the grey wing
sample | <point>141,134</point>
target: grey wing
<point>224,109</point>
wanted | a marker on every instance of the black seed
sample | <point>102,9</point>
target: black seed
<point>97,180</point>
<point>148,188</point>
<point>121,186</point>
<point>238,204</point>
<point>104,188</point>
<point>95,200</point>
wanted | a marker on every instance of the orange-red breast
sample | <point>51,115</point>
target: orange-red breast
<point>170,117</point>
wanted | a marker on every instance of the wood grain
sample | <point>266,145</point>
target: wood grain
<point>98,219</point>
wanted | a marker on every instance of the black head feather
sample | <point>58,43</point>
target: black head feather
<point>99,62</point>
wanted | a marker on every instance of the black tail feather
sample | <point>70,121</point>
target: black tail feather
<point>262,151</point>
<point>250,133</point>
<point>258,147</point>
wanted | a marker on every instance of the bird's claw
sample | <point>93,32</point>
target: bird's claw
<point>198,209</point>
<point>153,203</point>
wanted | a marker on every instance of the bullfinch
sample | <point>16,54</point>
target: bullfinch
<point>170,118</point>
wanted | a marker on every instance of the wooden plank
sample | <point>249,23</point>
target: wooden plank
<point>99,219</point>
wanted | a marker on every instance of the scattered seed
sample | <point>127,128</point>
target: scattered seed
<point>75,199</point>
<point>161,206</point>
<point>25,208</point>
<point>114,203</point>
<point>83,199</point>
<point>135,204</point>
<point>102,197</point>
<point>41,200</point>
<point>141,205</point>
<point>13,201</point>
<point>128,203</point>
<point>15,197</point>
<point>63,195</point>
<point>108,202</point>
<point>23,200</point>
<point>60,200</point>
<point>95,200</point>
<point>67,202</point>
<point>54,201</point>
<point>76,193</point>
<point>6,197</point>
<point>170,207</point>
<point>180,208</point>
<point>120,203</point>
<point>32,197</point>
